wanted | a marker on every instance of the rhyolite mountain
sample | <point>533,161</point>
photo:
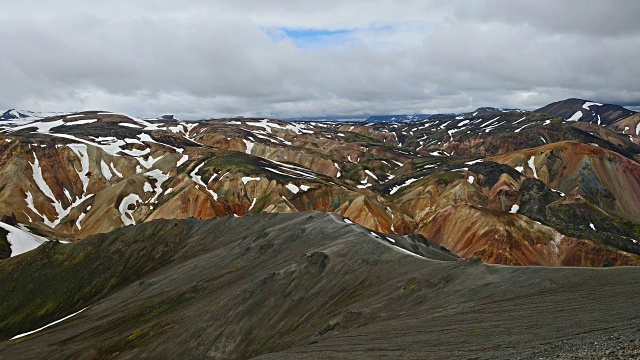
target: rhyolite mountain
<point>511,187</point>
<point>306,285</point>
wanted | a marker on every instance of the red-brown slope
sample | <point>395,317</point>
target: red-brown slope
<point>513,239</point>
<point>605,178</point>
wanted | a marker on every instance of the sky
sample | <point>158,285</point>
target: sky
<point>203,59</point>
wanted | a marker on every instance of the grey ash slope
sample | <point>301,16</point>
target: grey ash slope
<point>303,285</point>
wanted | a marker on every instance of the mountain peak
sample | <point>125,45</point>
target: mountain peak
<point>574,109</point>
<point>13,114</point>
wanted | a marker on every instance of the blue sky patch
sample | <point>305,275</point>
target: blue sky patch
<point>307,38</point>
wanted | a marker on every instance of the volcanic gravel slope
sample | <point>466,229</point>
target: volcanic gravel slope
<point>299,286</point>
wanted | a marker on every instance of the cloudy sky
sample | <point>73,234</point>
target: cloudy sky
<point>203,58</point>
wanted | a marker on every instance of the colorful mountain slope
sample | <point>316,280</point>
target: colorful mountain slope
<point>70,176</point>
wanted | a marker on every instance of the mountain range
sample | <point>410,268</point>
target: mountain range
<point>126,238</point>
<point>510,187</point>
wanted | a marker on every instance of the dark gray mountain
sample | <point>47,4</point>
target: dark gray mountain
<point>586,111</point>
<point>13,114</point>
<point>301,286</point>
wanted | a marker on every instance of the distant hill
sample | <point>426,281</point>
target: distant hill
<point>387,118</point>
<point>586,111</point>
<point>13,114</point>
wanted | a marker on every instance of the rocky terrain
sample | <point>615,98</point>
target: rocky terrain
<point>306,285</point>
<point>509,186</point>
<point>127,238</point>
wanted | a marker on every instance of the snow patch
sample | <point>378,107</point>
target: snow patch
<point>246,179</point>
<point>106,172</point>
<point>489,122</point>
<point>81,151</point>
<point>364,183</point>
<point>293,188</point>
<point>115,171</point>
<point>576,116</point>
<point>39,179</point>
<point>524,117</point>
<point>81,122</point>
<point>125,213</point>
<point>44,188</point>
<point>46,326</point>
<point>252,203</point>
<point>587,104</point>
<point>177,129</point>
<point>20,240</point>
<point>182,160</point>
<point>265,124</point>
<point>149,162</point>
<point>249,146</point>
<point>371,174</point>
<point>398,187</point>
<point>198,180</point>
<point>295,169</point>
<point>160,178</point>
<point>532,165</point>
<point>439,153</point>
<point>520,129</point>
<point>80,220</point>
<point>129,125</point>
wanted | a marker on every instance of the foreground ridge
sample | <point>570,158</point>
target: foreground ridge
<point>303,285</point>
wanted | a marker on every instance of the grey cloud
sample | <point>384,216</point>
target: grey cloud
<point>203,59</point>
<point>593,18</point>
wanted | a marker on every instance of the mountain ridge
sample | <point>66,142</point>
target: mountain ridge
<point>574,109</point>
<point>70,176</point>
<point>303,285</point>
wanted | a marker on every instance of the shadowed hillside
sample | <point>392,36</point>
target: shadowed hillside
<point>304,285</point>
